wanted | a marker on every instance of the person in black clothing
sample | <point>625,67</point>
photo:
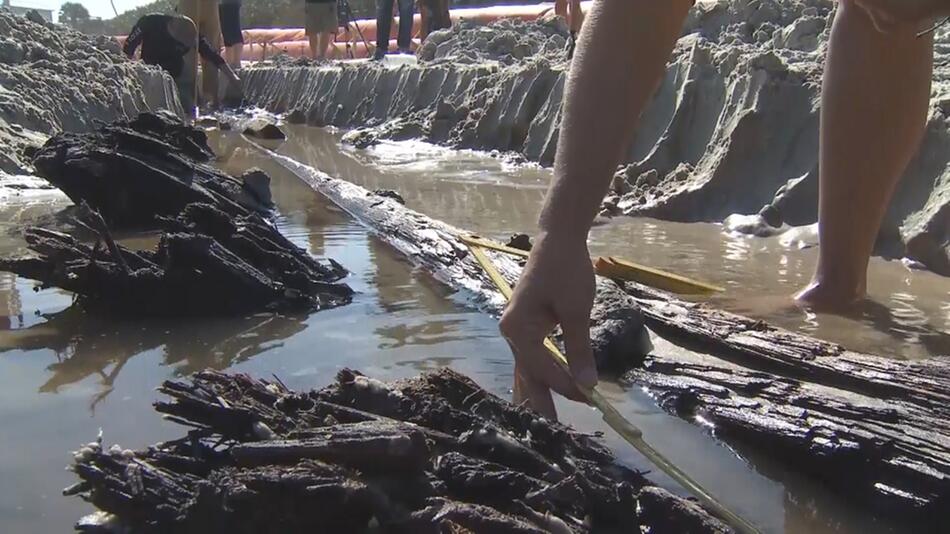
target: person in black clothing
<point>384,21</point>
<point>172,42</point>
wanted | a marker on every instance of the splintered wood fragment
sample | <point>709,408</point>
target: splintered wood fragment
<point>368,445</point>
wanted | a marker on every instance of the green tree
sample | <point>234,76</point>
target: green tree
<point>73,14</point>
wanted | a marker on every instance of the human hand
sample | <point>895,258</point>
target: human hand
<point>556,288</point>
<point>888,14</point>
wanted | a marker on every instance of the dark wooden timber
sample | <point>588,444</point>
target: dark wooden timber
<point>135,171</point>
<point>207,262</point>
<point>432,454</point>
<point>875,429</point>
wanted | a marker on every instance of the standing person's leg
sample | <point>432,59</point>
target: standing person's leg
<point>384,24</point>
<point>230,17</point>
<point>406,14</point>
<point>323,44</point>
<point>875,99</point>
<point>183,30</point>
<point>209,26</point>
<point>314,42</point>
<point>328,24</point>
<point>189,9</point>
<point>576,19</point>
<point>312,27</point>
<point>233,55</point>
<point>560,8</point>
<point>443,15</point>
<point>426,19</point>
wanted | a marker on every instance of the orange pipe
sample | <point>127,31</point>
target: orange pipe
<point>483,15</point>
<point>295,49</point>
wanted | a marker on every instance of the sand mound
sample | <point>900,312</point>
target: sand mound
<point>56,79</point>
<point>506,41</point>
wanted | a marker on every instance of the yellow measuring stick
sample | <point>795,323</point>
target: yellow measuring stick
<point>634,272</point>
<point>614,419</point>
<point>620,270</point>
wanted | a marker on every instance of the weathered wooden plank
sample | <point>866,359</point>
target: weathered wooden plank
<point>875,429</point>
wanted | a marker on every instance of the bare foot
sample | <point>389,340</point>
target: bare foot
<point>829,297</point>
<point>779,309</point>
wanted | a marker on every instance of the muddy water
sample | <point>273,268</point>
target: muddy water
<point>908,315</point>
<point>63,375</point>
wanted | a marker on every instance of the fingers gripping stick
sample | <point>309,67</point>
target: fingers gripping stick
<point>614,419</point>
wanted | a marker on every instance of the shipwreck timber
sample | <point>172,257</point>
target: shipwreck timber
<point>153,166</point>
<point>619,338</point>
<point>432,454</point>
<point>205,263</point>
<point>876,429</point>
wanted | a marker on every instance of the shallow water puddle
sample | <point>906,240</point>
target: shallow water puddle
<point>64,375</point>
<point>909,315</point>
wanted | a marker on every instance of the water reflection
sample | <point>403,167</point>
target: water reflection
<point>93,346</point>
<point>465,188</point>
<point>10,304</point>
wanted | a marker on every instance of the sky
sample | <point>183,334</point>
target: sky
<point>97,8</point>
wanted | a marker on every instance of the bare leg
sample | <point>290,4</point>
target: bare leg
<point>232,55</point>
<point>424,17</point>
<point>209,26</point>
<point>576,19</point>
<point>444,14</point>
<point>560,8</point>
<point>323,43</point>
<point>313,45</point>
<point>184,31</point>
<point>874,108</point>
<point>622,54</point>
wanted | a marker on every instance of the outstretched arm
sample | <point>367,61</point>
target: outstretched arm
<point>622,54</point>
<point>212,55</point>
<point>132,41</point>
